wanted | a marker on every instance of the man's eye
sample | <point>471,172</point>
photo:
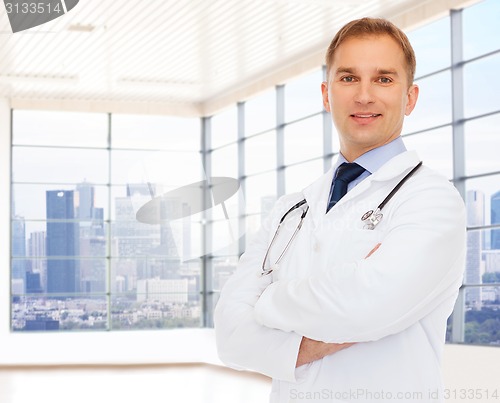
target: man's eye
<point>347,79</point>
<point>385,80</point>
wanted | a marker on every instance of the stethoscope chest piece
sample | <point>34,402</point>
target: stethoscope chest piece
<point>270,270</point>
<point>372,218</point>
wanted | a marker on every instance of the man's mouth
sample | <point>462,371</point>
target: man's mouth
<point>365,115</point>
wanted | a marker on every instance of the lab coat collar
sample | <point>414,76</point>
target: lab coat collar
<point>316,194</point>
<point>396,166</point>
<point>374,159</point>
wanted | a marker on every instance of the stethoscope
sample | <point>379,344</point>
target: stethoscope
<point>371,219</point>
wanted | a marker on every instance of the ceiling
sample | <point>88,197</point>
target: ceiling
<point>184,57</point>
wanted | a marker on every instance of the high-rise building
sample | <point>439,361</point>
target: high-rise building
<point>19,250</point>
<point>475,217</point>
<point>37,253</point>
<point>93,265</point>
<point>495,219</point>
<point>133,238</point>
<point>186,231</point>
<point>154,243</point>
<point>33,283</point>
<point>85,201</point>
<point>98,222</point>
<point>492,261</point>
<point>91,239</point>
<point>90,216</point>
<point>63,274</point>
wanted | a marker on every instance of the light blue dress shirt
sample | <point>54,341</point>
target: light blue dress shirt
<point>371,161</point>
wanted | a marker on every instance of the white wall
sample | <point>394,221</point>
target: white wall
<point>128,347</point>
<point>4,218</point>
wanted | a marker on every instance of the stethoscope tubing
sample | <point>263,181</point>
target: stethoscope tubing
<point>366,216</point>
<point>398,186</point>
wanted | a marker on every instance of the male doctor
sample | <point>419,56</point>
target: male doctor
<point>353,310</point>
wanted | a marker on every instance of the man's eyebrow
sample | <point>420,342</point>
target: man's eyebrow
<point>352,70</point>
<point>342,70</point>
<point>389,72</point>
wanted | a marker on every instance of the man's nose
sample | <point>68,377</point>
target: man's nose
<point>364,93</point>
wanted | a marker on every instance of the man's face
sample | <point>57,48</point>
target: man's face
<point>367,93</point>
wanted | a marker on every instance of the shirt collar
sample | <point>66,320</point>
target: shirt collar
<point>374,159</point>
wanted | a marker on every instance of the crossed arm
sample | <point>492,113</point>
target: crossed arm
<point>268,327</point>
<point>311,350</point>
<point>417,268</point>
<point>242,342</point>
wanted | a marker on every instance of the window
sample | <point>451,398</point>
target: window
<point>303,96</point>
<point>224,128</point>
<point>482,182</point>
<point>260,113</point>
<point>297,177</point>
<point>260,153</point>
<point>304,139</point>
<point>483,261</point>
<point>482,139</point>
<point>81,257</point>
<point>434,104</point>
<point>431,44</point>
<point>481,29</point>
<point>481,85</point>
<point>260,193</point>
<point>435,149</point>
<point>225,161</point>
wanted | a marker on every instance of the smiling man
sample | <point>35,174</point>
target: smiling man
<point>368,98</point>
<point>344,294</point>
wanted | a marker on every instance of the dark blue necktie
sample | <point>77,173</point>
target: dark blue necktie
<point>346,172</point>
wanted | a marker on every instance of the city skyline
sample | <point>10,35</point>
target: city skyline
<point>146,261</point>
<point>67,262</point>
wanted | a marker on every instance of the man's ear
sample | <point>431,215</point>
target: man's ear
<point>412,99</point>
<point>324,93</point>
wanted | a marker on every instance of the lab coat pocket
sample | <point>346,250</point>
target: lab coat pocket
<point>357,244</point>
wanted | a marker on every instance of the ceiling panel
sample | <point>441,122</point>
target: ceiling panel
<point>191,55</point>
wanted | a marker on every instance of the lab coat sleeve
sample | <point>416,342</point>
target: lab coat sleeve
<point>418,267</point>
<point>242,343</point>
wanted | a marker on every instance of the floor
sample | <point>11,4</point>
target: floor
<point>131,384</point>
<point>470,374</point>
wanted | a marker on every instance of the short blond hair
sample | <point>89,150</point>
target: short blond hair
<point>374,27</point>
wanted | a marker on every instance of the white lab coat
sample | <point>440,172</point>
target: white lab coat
<point>393,304</point>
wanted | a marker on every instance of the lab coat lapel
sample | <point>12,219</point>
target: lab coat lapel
<point>394,168</point>
<point>317,193</point>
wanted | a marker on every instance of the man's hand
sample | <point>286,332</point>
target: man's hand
<point>373,250</point>
<point>312,350</point>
